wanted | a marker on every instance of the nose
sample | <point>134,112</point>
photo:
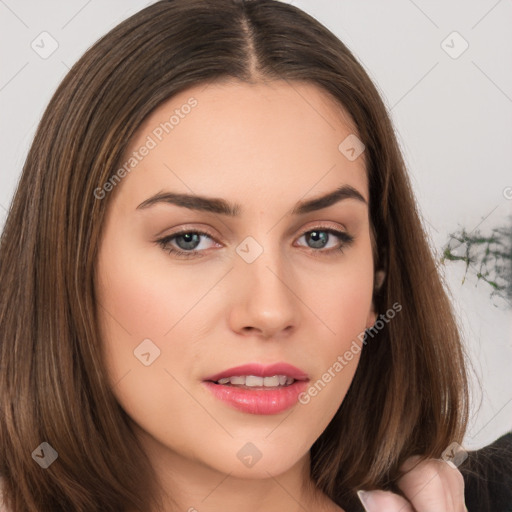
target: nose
<point>264,301</point>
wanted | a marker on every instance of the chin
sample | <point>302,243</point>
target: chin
<point>258,458</point>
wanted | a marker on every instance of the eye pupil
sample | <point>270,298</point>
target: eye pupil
<point>314,235</point>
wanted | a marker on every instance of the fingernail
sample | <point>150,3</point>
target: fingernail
<point>366,499</point>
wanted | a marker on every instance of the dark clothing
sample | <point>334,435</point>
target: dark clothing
<point>488,477</point>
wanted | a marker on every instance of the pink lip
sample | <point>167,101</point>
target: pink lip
<point>258,400</point>
<point>260,370</point>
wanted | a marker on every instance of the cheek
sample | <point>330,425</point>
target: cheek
<point>146,312</point>
<point>342,299</point>
<point>343,304</point>
<point>145,295</point>
<point>338,352</point>
<point>139,305</point>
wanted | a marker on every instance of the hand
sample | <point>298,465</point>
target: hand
<point>431,486</point>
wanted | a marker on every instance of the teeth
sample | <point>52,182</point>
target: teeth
<point>251,380</point>
<point>254,381</point>
<point>271,381</point>
<point>237,380</point>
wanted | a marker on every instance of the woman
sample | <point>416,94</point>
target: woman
<point>226,295</point>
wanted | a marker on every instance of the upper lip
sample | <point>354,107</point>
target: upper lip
<point>260,370</point>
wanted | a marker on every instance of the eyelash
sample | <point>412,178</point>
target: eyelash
<point>346,239</point>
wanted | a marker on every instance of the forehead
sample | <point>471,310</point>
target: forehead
<point>274,140</point>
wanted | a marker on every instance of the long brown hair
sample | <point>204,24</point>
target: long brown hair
<point>409,394</point>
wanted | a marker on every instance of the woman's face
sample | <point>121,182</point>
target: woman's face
<point>267,284</point>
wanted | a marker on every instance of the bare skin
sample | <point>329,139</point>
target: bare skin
<point>265,147</point>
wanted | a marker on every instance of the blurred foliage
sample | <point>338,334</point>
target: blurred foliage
<point>487,256</point>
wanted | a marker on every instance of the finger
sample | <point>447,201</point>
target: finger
<point>384,501</point>
<point>454,484</point>
<point>433,485</point>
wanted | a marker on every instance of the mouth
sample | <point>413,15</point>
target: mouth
<point>256,382</point>
<point>258,389</point>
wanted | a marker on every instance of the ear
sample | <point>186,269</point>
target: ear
<point>372,315</point>
<point>380,275</point>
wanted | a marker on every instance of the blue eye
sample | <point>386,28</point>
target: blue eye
<point>188,241</point>
<point>319,237</point>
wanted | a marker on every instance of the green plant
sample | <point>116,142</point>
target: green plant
<point>488,256</point>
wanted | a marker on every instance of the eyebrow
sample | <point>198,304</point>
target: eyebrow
<point>222,207</point>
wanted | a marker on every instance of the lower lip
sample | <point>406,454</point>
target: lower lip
<point>259,401</point>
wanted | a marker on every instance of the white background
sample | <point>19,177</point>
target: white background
<point>453,117</point>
